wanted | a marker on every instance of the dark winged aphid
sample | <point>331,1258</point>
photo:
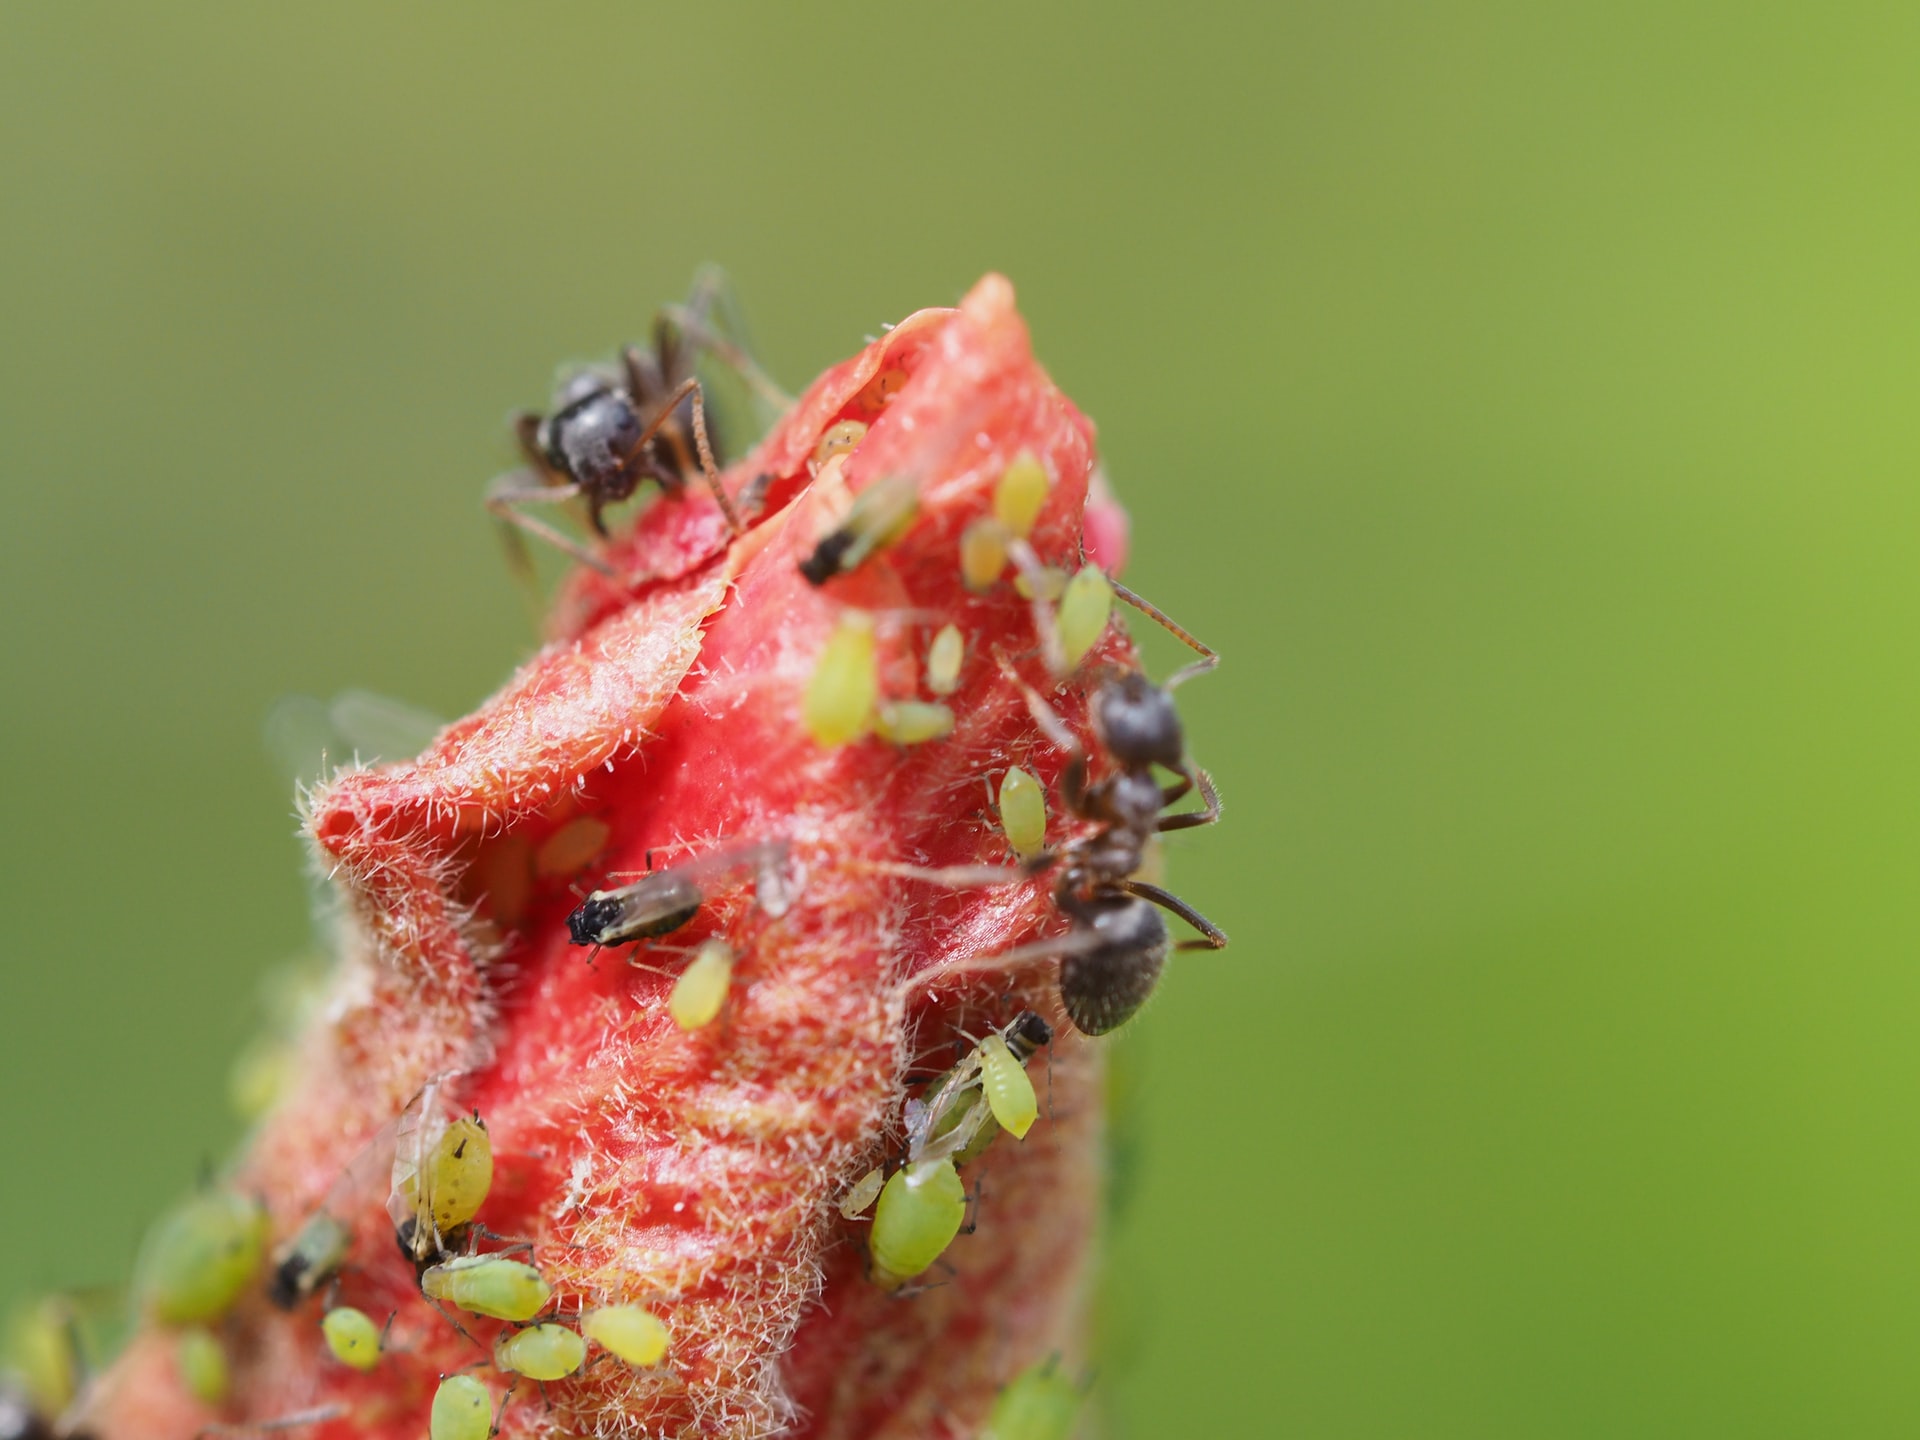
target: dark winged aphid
<point>662,902</point>
<point>19,1420</point>
<point>309,1260</point>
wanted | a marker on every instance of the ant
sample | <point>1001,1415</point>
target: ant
<point>1112,956</point>
<point>610,431</point>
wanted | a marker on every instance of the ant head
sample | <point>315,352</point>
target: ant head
<point>1137,722</point>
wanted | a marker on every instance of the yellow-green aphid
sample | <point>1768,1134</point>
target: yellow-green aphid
<point>259,1076</point>
<point>541,1352</point>
<point>702,987</point>
<point>880,515</point>
<point>1048,582</point>
<point>488,1285</point>
<point>462,1410</point>
<point>912,722</point>
<point>1009,1092</point>
<point>845,683</point>
<point>199,1259</point>
<point>203,1365</point>
<point>1023,812</point>
<point>921,1209</point>
<point>1085,608</point>
<point>983,552</point>
<point>43,1354</point>
<point>352,1337</point>
<point>862,1193</point>
<point>838,439</point>
<point>571,848</point>
<point>1020,494</point>
<point>949,648</point>
<point>437,1193</point>
<point>1038,1404</point>
<point>634,1334</point>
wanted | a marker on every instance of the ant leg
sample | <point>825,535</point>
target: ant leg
<point>694,326</point>
<point>1216,938</point>
<point>954,877</point>
<point>1073,942</point>
<point>708,467</point>
<point>1209,657</point>
<point>1187,820</point>
<point>645,375</point>
<point>511,490</point>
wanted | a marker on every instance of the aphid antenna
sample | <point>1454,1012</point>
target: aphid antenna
<point>1209,657</point>
<point>319,1415</point>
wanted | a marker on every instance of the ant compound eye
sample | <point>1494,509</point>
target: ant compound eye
<point>631,1333</point>
<point>352,1337</point>
<point>201,1257</point>
<point>1138,723</point>
<point>462,1410</point>
<point>543,1352</point>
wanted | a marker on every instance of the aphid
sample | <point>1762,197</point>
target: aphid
<point>44,1355</point>
<point>1023,812</point>
<point>838,706</point>
<point>203,1365</point>
<point>540,1352</point>
<point>983,553</point>
<point>442,1171</point>
<point>881,514</point>
<point>488,1285</point>
<point>352,1337</point>
<point>921,1209</point>
<point>701,989</point>
<point>944,658</point>
<point>198,1260</point>
<point>1003,1080</point>
<point>463,1410</point>
<point>862,1193</point>
<point>839,438</point>
<point>309,1260</point>
<point>1111,958</point>
<point>990,541</point>
<point>629,1332</point>
<point>949,1120</point>
<point>663,901</point>
<point>1020,494</point>
<point>1085,607</point>
<point>573,847</point>
<point>1039,1403</point>
<point>912,722</point>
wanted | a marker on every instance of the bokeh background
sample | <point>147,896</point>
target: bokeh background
<point>1522,397</point>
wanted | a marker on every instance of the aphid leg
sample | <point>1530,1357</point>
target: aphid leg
<point>1216,938</point>
<point>511,490</point>
<point>709,468</point>
<point>458,1327</point>
<point>1209,657</point>
<point>1208,812</point>
<point>500,1414</point>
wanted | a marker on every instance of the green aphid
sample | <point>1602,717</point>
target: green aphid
<point>701,989</point>
<point>442,1171</point>
<point>839,702</point>
<point>912,722</point>
<point>1021,493</point>
<point>1039,1403</point>
<point>488,1285</point>
<point>964,1109</point>
<point>630,1332</point>
<point>198,1259</point>
<point>1023,812</point>
<point>983,553</point>
<point>944,657</point>
<point>1003,1079</point>
<point>540,1352</point>
<point>462,1410</point>
<point>921,1209</point>
<point>862,1193</point>
<point>43,1354</point>
<point>881,514</point>
<point>352,1337</point>
<point>203,1365</point>
<point>1085,608</point>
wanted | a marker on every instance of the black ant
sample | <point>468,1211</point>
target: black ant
<point>1112,957</point>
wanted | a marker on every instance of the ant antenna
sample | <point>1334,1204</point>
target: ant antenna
<point>1209,657</point>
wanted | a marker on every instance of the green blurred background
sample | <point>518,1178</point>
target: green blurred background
<point>1522,397</point>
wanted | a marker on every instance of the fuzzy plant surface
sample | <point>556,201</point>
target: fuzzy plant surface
<point>691,1155</point>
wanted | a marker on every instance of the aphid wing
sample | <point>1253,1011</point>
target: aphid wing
<point>415,1135</point>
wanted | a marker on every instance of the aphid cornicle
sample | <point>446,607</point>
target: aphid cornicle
<point>662,902</point>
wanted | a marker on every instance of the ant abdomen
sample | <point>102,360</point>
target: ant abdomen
<point>1101,987</point>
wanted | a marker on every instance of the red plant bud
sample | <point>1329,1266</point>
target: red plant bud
<point>697,1171</point>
